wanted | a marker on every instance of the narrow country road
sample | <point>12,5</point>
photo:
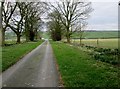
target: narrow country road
<point>36,69</point>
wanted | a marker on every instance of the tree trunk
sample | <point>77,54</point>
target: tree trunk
<point>1,26</point>
<point>80,41</point>
<point>32,35</point>
<point>36,34</point>
<point>2,31</point>
<point>68,39</point>
<point>26,30</point>
<point>27,36</point>
<point>3,37</point>
<point>68,36</point>
<point>98,43</point>
<point>0,37</point>
<point>18,38</point>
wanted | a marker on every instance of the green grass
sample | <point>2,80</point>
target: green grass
<point>98,34</point>
<point>78,69</point>
<point>11,54</point>
<point>13,40</point>
<point>45,35</point>
<point>103,43</point>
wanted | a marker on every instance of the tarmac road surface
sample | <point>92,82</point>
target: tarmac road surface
<point>36,69</point>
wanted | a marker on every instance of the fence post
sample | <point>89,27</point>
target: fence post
<point>98,43</point>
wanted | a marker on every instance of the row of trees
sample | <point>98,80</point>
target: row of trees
<point>23,18</point>
<point>68,17</point>
<point>65,18</point>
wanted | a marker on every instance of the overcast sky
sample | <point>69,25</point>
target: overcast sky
<point>104,16</point>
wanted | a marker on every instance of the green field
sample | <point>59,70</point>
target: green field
<point>103,43</point>
<point>13,41</point>
<point>11,54</point>
<point>78,69</point>
<point>97,34</point>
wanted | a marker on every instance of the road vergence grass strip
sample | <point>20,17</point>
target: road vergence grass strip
<point>78,69</point>
<point>11,54</point>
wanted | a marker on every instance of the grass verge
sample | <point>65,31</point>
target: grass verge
<point>11,54</point>
<point>78,69</point>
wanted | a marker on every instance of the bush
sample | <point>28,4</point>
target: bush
<point>106,55</point>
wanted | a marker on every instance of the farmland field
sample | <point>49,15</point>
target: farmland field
<point>13,41</point>
<point>97,34</point>
<point>103,43</point>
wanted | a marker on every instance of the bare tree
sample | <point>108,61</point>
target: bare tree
<point>55,26</point>
<point>16,23</point>
<point>0,24</point>
<point>7,11</point>
<point>22,17</point>
<point>81,30</point>
<point>33,18</point>
<point>72,13</point>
